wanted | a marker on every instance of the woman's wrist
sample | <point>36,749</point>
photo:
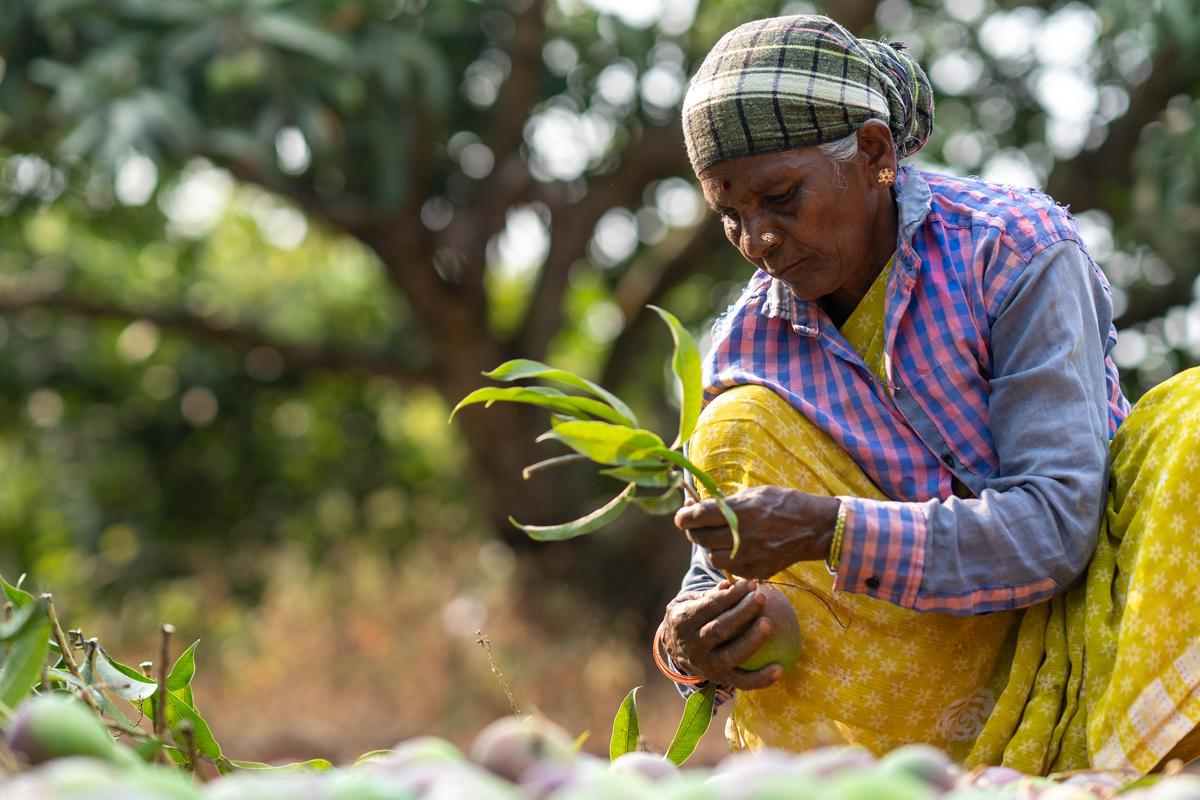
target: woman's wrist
<point>817,517</point>
<point>834,560</point>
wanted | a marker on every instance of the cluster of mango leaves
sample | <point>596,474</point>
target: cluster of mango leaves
<point>602,428</point>
<point>32,660</point>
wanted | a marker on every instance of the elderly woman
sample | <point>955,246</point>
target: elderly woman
<point>912,405</point>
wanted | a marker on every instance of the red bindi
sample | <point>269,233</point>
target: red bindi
<point>726,186</point>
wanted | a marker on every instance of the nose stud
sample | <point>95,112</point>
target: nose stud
<point>769,238</point>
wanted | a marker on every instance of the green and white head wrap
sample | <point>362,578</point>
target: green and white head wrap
<point>790,82</point>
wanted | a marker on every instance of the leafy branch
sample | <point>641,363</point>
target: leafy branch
<point>602,428</point>
<point>38,661</point>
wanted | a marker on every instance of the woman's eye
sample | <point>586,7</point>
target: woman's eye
<point>780,199</point>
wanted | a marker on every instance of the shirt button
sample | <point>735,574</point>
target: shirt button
<point>872,583</point>
<point>948,459</point>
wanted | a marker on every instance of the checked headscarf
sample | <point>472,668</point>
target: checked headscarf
<point>789,82</point>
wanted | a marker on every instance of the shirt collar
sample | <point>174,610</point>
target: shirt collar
<point>913,201</point>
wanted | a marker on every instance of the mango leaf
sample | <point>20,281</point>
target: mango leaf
<point>522,368</point>
<point>12,627</point>
<point>370,755</point>
<point>656,477</point>
<point>122,680</point>
<point>608,444</point>
<point>565,404</point>
<point>148,749</point>
<point>697,716</point>
<point>24,655</point>
<point>686,364</point>
<point>177,712</point>
<point>714,492</point>
<point>62,676</point>
<point>550,463</point>
<point>1144,782</point>
<point>593,521</point>
<point>17,596</point>
<point>625,731</point>
<point>666,503</point>
<point>110,710</point>
<point>179,680</point>
<point>290,32</point>
<point>227,765</point>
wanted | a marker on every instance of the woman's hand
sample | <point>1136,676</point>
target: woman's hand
<point>708,634</point>
<point>777,526</point>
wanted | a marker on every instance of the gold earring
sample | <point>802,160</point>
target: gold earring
<point>769,238</point>
<point>886,177</point>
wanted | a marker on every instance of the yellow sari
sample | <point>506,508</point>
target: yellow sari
<point>1030,689</point>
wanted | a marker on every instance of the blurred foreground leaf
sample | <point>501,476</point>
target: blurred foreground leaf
<point>23,656</point>
<point>697,716</point>
<point>226,765</point>
<point>625,727</point>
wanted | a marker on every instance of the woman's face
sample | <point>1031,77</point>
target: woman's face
<point>828,224</point>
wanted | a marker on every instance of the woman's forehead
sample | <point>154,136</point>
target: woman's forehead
<point>757,174</point>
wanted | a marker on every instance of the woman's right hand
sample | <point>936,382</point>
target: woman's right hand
<point>707,634</point>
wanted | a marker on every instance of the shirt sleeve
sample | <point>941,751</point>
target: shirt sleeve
<point>1034,526</point>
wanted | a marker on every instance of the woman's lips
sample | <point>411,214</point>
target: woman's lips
<point>782,272</point>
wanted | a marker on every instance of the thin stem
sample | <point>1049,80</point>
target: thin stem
<point>815,594</point>
<point>483,641</point>
<point>690,492</point>
<point>67,655</point>
<point>189,741</point>
<point>550,463</point>
<point>122,728</point>
<point>164,653</point>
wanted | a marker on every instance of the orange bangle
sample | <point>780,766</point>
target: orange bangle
<point>665,669</point>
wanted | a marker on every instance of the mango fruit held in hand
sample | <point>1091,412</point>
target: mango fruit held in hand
<point>784,641</point>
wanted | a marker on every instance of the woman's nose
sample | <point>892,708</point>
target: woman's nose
<point>758,240</point>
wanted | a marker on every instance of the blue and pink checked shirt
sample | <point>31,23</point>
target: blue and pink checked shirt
<point>998,331</point>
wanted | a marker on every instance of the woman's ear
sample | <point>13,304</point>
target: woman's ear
<point>876,146</point>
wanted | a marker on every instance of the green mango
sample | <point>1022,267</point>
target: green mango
<point>879,786</point>
<point>423,750</point>
<point>784,642</point>
<point>52,726</point>
<point>510,746</point>
<point>924,762</point>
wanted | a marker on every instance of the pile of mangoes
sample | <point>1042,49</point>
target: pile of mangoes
<point>65,753</point>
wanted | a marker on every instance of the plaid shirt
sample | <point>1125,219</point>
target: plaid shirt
<point>997,338</point>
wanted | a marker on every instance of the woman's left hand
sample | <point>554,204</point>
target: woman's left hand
<point>777,527</point>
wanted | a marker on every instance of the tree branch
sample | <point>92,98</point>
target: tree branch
<point>522,89</point>
<point>656,153</point>
<point>296,357</point>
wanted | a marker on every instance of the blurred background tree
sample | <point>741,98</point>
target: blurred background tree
<point>252,251</point>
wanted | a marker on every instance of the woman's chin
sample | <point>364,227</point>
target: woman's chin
<point>806,292</point>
